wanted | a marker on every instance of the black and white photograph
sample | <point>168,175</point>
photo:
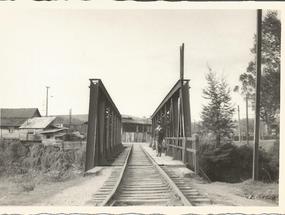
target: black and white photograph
<point>122,108</point>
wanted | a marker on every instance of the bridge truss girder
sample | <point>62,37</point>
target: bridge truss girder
<point>104,127</point>
<point>174,115</point>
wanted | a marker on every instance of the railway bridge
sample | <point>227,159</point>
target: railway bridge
<point>137,179</point>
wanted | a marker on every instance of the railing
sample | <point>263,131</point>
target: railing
<point>204,175</point>
<point>185,149</point>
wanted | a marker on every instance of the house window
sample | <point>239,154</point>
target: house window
<point>11,130</point>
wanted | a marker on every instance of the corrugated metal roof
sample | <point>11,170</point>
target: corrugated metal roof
<point>15,117</point>
<point>37,123</point>
<point>53,130</point>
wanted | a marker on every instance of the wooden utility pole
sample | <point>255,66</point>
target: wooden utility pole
<point>239,125</point>
<point>47,87</point>
<point>182,62</point>
<point>257,95</point>
<point>181,101</point>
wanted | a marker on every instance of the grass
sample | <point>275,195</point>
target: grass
<point>31,190</point>
<point>260,190</point>
<point>265,144</point>
<point>29,173</point>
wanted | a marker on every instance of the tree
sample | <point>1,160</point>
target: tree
<point>246,91</point>
<point>217,114</point>
<point>270,78</point>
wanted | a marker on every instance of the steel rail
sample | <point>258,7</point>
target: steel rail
<point>172,185</point>
<point>110,196</point>
<point>111,199</point>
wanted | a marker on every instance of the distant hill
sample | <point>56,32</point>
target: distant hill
<point>75,119</point>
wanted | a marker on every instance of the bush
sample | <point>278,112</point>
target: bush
<point>49,158</point>
<point>3,161</point>
<point>230,163</point>
<point>11,156</point>
<point>274,160</point>
<point>16,150</point>
<point>17,158</point>
<point>29,186</point>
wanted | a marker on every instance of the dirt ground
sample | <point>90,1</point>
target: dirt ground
<point>82,193</point>
<point>233,194</point>
<point>79,191</point>
<point>12,193</point>
<point>230,195</point>
<point>52,193</point>
<point>227,194</point>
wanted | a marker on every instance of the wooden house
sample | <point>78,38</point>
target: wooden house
<point>41,129</point>
<point>12,118</point>
<point>135,129</point>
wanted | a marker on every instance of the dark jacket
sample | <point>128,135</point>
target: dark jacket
<point>161,135</point>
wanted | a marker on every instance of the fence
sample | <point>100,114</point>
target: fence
<point>185,149</point>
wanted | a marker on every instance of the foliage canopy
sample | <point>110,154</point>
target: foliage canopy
<point>217,114</point>
<point>270,79</point>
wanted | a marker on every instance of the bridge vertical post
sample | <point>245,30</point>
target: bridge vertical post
<point>187,113</point>
<point>153,132</point>
<point>119,140</point>
<point>92,126</point>
<point>172,117</point>
<point>116,135</point>
<point>175,122</point>
<point>119,132</point>
<point>184,150</point>
<point>101,125</point>
<point>114,131</point>
<point>187,116</point>
<point>108,146</point>
<point>170,127</point>
<point>180,124</point>
<point>195,156</point>
<point>111,133</point>
<point>166,123</point>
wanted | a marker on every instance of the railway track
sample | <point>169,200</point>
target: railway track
<point>188,191</point>
<point>140,181</point>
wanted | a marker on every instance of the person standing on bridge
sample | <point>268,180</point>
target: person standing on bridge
<point>160,137</point>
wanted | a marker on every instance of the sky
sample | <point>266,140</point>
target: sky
<point>134,52</point>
